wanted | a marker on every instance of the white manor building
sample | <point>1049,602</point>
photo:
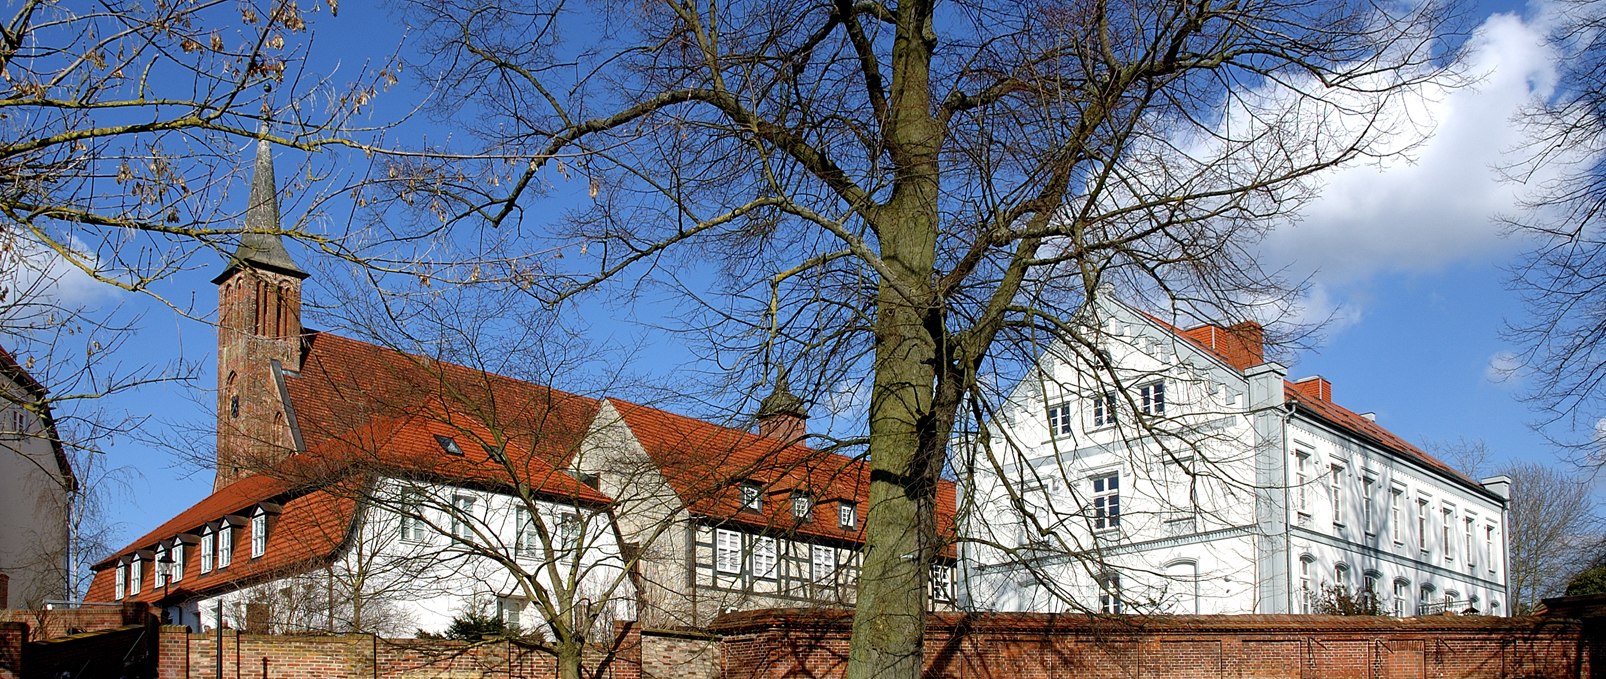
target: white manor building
<point>1172,470</point>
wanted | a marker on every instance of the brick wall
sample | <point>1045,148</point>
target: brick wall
<point>59,622</point>
<point>12,636</point>
<point>103,653</point>
<point>679,654</point>
<point>194,656</point>
<point>763,644</point>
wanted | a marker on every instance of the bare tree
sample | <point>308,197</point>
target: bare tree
<point>1552,527</point>
<point>1563,165</point>
<point>907,200</point>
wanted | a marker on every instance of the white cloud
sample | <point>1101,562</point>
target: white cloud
<point>1504,366</point>
<point>36,276</point>
<point>1437,205</point>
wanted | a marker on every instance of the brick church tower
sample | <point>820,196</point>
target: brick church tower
<point>258,336</point>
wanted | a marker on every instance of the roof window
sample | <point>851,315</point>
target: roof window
<point>449,445</point>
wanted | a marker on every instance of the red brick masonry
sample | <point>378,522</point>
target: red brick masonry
<point>794,643</point>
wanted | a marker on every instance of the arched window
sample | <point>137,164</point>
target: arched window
<point>1183,577</point>
<point>1402,597</point>
<point>1307,585</point>
<point>1426,597</point>
<point>1341,577</point>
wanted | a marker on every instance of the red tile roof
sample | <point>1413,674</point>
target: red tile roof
<point>1243,350</point>
<point>706,464</point>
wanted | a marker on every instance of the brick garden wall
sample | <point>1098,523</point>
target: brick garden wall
<point>765,644</point>
<point>46,624</point>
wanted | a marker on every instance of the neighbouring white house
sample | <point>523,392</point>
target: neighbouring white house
<point>1161,469</point>
<point>364,488</point>
<point>36,487</point>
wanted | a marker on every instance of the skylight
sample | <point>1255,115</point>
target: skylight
<point>449,445</point>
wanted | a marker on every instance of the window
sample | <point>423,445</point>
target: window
<point>1307,588</point>
<point>752,498</point>
<point>1104,410</point>
<point>526,542</point>
<point>1402,597</point>
<point>1369,584</point>
<point>449,445</point>
<point>122,580</point>
<point>1059,420</point>
<point>176,573</point>
<point>508,610</point>
<point>1425,597</point>
<point>942,586</point>
<point>847,514</point>
<point>1368,523</point>
<point>1397,515</point>
<point>225,545</point>
<point>1488,547</point>
<point>1302,480</point>
<point>727,551</point>
<point>207,553</point>
<point>412,516</point>
<point>763,564</point>
<point>1151,398</point>
<point>802,506</point>
<point>1335,487</point>
<point>1470,549</point>
<point>1341,577</point>
<point>822,564</point>
<point>1110,594</point>
<point>135,576</point>
<point>1422,524</point>
<point>159,576</point>
<point>462,509</point>
<point>259,534</point>
<point>1448,538</point>
<point>1107,502</point>
<point>19,421</point>
<point>568,535</point>
<point>495,453</point>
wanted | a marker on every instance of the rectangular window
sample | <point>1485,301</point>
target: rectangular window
<point>752,497</point>
<point>412,517</point>
<point>135,575</point>
<point>1110,594</point>
<point>1368,522</point>
<point>1471,549</point>
<point>1104,410</point>
<point>1335,487</point>
<point>822,563</point>
<point>1307,589</point>
<point>1490,556</point>
<point>206,551</point>
<point>526,541</point>
<point>1397,515</point>
<point>259,534</point>
<point>727,551</point>
<point>942,586</point>
<point>1302,481</point>
<point>462,509</point>
<point>122,580</point>
<point>225,545</point>
<point>1151,398</point>
<point>802,506</point>
<point>1448,537</point>
<point>1059,420</point>
<point>1402,595</point>
<point>1107,502</point>
<point>568,533</point>
<point>1422,524</point>
<point>847,514</point>
<point>176,573</point>
<point>763,564</point>
<point>159,576</point>
<point>508,610</point>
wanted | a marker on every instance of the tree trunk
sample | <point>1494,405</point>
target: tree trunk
<point>568,659</point>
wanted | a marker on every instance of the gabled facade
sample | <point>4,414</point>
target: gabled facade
<point>1176,470</point>
<point>36,486</point>
<point>337,459</point>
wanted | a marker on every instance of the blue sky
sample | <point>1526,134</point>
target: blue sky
<point>1405,258</point>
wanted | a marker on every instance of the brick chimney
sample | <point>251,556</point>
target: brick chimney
<point>1242,344</point>
<point>259,324</point>
<point>781,415</point>
<point>1316,387</point>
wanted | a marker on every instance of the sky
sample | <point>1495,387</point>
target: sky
<point>1406,259</point>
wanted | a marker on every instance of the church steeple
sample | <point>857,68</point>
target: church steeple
<point>259,335</point>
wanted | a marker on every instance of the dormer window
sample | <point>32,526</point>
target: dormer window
<point>752,496</point>
<point>135,575</point>
<point>122,580</point>
<point>225,544</point>
<point>175,572</point>
<point>847,514</point>
<point>802,506</point>
<point>207,550</point>
<point>449,445</point>
<point>259,534</point>
<point>159,578</point>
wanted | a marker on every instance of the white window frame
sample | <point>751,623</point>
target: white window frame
<point>1307,583</point>
<point>412,516</point>
<point>802,506</point>
<point>225,545</point>
<point>1335,488</point>
<point>847,514</point>
<point>1106,500</point>
<point>462,509</point>
<point>509,610</point>
<point>259,534</point>
<point>526,541</point>
<point>1368,521</point>
<point>1471,545</point>
<point>136,575</point>
<point>1102,410</point>
<point>752,496</point>
<point>159,574</point>
<point>1422,508</point>
<point>727,551</point>
<point>568,531</point>
<point>122,580</point>
<point>1342,577</point>
<point>1302,481</point>
<point>822,564</point>
<point>764,557</point>
<point>1059,419</point>
<point>1110,602</point>
<point>1151,398</point>
<point>1447,531</point>
<point>1402,597</point>
<point>1488,546</point>
<point>208,550</point>
<point>175,572</point>
<point>1397,524</point>
<point>942,585</point>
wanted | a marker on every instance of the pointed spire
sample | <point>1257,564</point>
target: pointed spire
<point>782,401</point>
<point>259,249</point>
